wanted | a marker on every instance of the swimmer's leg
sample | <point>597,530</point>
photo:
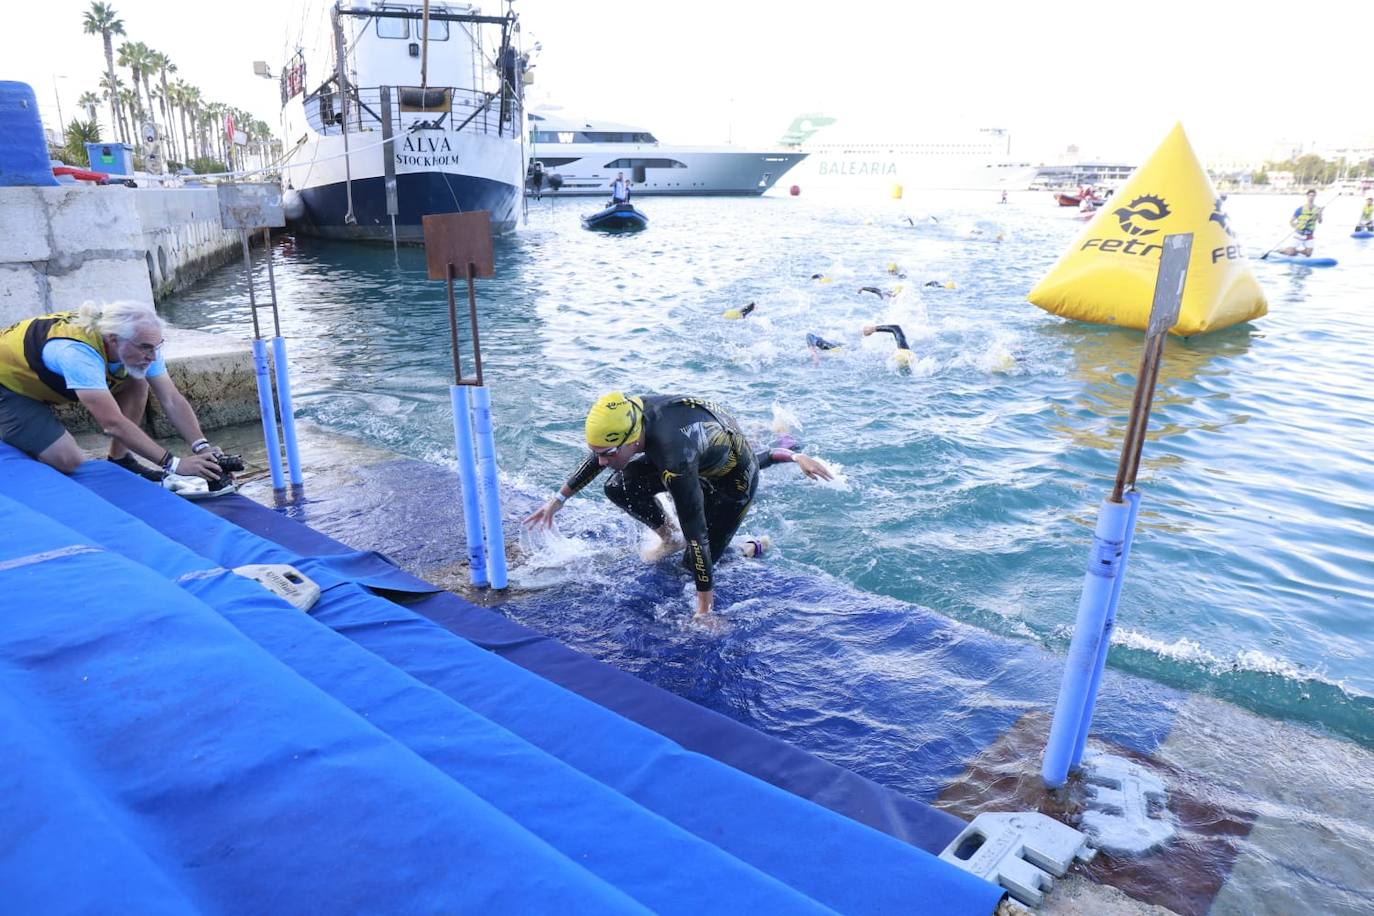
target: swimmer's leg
<point>726,507</point>
<point>634,490</point>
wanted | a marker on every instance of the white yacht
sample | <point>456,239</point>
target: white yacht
<point>585,155</point>
<point>416,110</point>
<point>841,156</point>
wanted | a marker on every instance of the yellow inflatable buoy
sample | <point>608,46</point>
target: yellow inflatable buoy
<point>896,192</point>
<point>1108,274</point>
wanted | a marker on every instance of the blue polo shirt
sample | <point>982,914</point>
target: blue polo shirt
<point>80,364</point>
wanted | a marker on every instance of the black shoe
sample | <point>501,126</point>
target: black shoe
<point>134,466</point>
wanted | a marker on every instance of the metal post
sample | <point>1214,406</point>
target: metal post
<point>1113,537</point>
<point>339,70</point>
<point>260,373</point>
<point>389,165</point>
<point>283,372</point>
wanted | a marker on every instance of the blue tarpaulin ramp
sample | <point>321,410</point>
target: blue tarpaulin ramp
<point>174,738</point>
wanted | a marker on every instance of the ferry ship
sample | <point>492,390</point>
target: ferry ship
<point>585,155</point>
<point>843,158</point>
<point>417,111</point>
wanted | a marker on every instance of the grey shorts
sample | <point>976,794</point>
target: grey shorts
<point>28,425</point>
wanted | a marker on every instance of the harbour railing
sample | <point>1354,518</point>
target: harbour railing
<point>409,108</point>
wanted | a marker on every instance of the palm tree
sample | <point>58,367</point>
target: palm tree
<point>89,100</point>
<point>181,97</point>
<point>102,19</point>
<point>163,65</point>
<point>78,135</point>
<point>190,104</point>
<point>128,99</point>
<point>137,56</point>
<point>111,91</point>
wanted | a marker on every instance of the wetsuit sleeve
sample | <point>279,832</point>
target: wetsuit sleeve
<point>896,331</point>
<point>691,514</point>
<point>586,472</point>
<point>767,457</point>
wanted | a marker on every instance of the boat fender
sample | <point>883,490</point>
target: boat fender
<point>555,181</point>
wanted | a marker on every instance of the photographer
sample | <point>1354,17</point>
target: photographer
<point>107,357</point>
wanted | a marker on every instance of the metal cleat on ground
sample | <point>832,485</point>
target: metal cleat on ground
<point>1126,812</point>
<point>1018,851</point>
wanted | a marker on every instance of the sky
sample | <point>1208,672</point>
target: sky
<point>1247,81</point>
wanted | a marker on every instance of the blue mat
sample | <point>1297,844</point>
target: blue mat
<point>271,730</point>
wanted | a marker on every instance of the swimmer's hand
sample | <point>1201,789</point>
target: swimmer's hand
<point>543,516</point>
<point>868,329</point>
<point>812,468</point>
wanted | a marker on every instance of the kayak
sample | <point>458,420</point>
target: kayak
<point>1300,260</point>
<point>616,218</point>
<point>1362,234</point>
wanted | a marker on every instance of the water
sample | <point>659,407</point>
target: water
<point>968,486</point>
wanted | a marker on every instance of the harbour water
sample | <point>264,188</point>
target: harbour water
<point>968,486</point>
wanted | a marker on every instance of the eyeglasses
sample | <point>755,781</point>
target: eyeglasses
<point>148,350</point>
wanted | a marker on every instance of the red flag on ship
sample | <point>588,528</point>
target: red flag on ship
<point>229,127</point>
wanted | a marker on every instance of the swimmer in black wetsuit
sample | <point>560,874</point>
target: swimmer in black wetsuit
<point>692,449</point>
<point>818,344</point>
<point>903,354</point>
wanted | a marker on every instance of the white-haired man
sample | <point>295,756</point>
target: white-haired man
<point>107,357</point>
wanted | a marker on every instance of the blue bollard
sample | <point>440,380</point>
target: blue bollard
<point>268,411</point>
<point>467,480</point>
<point>491,486</point>
<point>288,410</point>
<point>1099,582</point>
<point>24,150</point>
<point>1090,701</point>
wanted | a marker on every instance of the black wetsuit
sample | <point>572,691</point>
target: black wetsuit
<point>820,343</point>
<point>695,451</point>
<point>896,331</point>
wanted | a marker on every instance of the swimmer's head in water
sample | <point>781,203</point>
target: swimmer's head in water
<point>614,420</point>
<point>739,313</point>
<point>904,358</point>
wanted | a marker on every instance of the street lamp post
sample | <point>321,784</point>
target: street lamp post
<point>61,122</point>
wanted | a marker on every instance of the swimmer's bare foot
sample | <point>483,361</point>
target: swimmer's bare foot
<point>669,541</point>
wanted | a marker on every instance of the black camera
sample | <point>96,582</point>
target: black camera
<point>228,465</point>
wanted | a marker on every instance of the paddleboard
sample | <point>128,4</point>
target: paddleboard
<point>1362,234</point>
<point>1305,262</point>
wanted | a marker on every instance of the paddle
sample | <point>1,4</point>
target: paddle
<point>1266,255</point>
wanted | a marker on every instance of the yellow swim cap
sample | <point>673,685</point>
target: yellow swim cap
<point>892,268</point>
<point>732,313</point>
<point>904,358</point>
<point>614,420</point>
<point>950,285</point>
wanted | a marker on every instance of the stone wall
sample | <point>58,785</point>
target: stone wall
<point>182,236</point>
<point>60,246</point>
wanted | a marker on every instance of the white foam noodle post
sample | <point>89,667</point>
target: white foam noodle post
<point>1107,276</point>
<point>1125,812</point>
<point>1021,851</point>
